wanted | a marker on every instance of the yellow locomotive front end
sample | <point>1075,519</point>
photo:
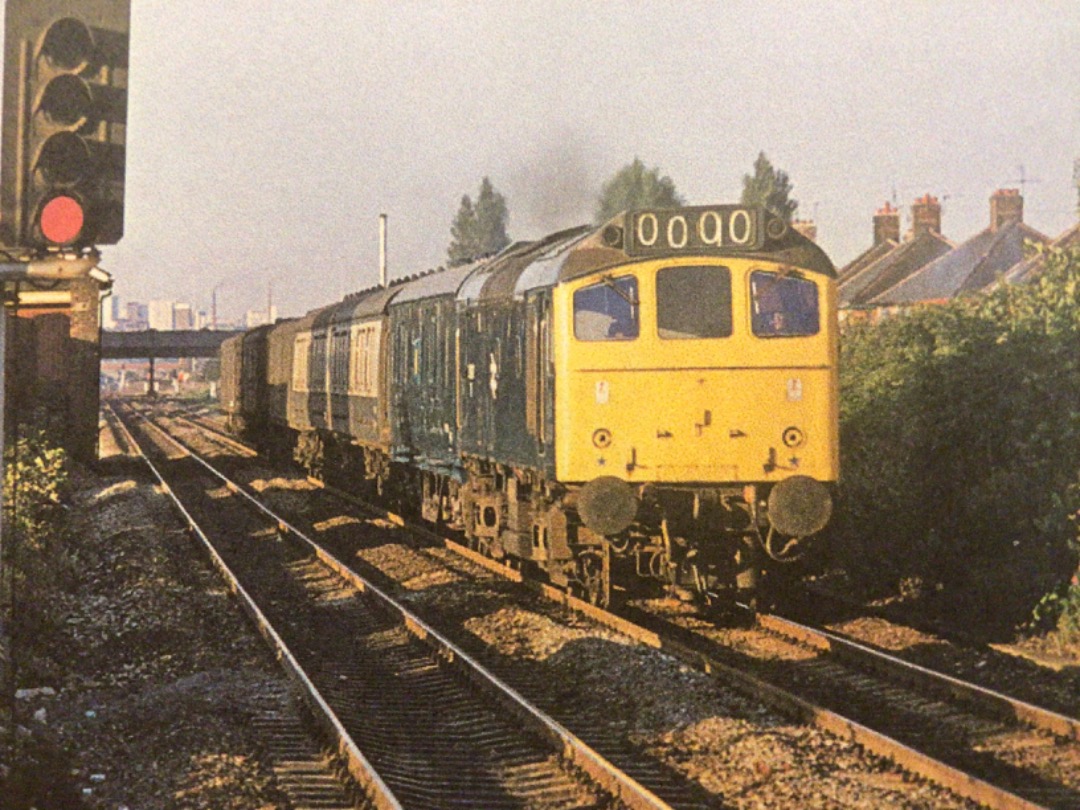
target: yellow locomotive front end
<point>696,391</point>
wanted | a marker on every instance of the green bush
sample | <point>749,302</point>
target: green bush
<point>36,476</point>
<point>1059,609</point>
<point>960,447</point>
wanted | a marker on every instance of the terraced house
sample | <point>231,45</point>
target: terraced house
<point>924,267</point>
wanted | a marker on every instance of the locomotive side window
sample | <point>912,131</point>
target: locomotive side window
<point>783,305</point>
<point>693,302</point>
<point>607,311</point>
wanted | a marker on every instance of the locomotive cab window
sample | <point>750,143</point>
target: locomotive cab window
<point>783,305</point>
<point>693,302</point>
<point>607,311</point>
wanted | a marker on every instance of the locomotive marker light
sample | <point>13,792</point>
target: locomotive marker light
<point>602,438</point>
<point>793,437</point>
<point>64,122</point>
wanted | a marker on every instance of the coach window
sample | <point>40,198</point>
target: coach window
<point>693,302</point>
<point>783,305</point>
<point>339,361</point>
<point>301,347</point>
<point>607,311</point>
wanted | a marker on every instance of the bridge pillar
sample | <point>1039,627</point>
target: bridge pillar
<point>84,367</point>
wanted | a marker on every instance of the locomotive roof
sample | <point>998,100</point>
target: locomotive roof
<point>571,254</point>
<point>613,244</point>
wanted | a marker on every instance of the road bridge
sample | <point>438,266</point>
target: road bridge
<point>154,343</point>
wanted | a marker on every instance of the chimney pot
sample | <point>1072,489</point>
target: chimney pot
<point>1006,205</point>
<point>886,224</point>
<point>926,215</point>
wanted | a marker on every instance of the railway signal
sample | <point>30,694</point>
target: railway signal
<point>64,121</point>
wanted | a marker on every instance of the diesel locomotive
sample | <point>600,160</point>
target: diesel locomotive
<point>653,399</point>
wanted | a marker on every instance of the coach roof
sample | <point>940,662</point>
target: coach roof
<point>435,284</point>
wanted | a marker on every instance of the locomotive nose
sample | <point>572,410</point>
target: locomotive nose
<point>799,506</point>
<point>607,505</point>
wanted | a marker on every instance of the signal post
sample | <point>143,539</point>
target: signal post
<point>61,198</point>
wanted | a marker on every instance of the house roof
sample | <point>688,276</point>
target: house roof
<point>864,260</point>
<point>893,267</point>
<point>974,265</point>
<point>1030,268</point>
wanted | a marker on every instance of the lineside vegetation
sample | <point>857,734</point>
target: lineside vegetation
<point>37,553</point>
<point>38,569</point>
<point>960,437</point>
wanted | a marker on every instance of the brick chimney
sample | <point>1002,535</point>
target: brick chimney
<point>807,227</point>
<point>886,224</point>
<point>1006,205</point>
<point>926,215</point>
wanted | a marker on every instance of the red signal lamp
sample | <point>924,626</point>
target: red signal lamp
<point>62,220</point>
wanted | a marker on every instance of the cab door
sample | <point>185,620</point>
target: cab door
<point>540,376</point>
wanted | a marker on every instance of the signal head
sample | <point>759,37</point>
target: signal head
<point>64,122</point>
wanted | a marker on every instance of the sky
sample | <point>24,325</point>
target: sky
<point>265,137</point>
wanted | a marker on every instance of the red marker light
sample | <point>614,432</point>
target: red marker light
<point>62,220</point>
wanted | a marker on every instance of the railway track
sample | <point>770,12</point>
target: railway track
<point>416,720</point>
<point>982,745</point>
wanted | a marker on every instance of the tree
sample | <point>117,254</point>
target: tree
<point>480,229</point>
<point>463,243</point>
<point>491,219</point>
<point>770,188</point>
<point>634,186</point>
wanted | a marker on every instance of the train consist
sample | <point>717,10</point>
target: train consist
<point>652,399</point>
